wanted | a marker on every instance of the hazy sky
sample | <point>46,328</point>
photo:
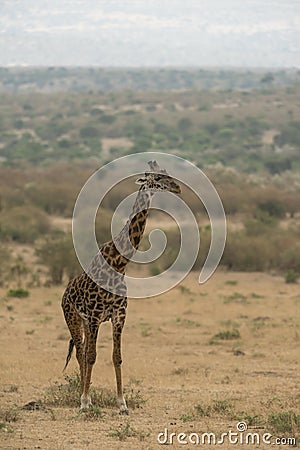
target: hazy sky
<point>150,32</point>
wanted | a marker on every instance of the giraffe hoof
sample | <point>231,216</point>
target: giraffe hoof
<point>124,412</point>
<point>85,408</point>
<point>85,403</point>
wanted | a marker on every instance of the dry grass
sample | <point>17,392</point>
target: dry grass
<point>173,376</point>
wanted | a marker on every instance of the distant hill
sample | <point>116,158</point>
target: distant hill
<point>58,79</point>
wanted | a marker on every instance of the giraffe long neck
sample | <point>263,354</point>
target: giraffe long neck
<point>129,238</point>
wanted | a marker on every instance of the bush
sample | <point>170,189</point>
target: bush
<point>89,132</point>
<point>52,196</point>
<point>68,395</point>
<point>18,293</point>
<point>173,247</point>
<point>107,119</point>
<point>278,163</point>
<point>24,224</point>
<point>262,247</point>
<point>284,422</point>
<point>5,258</point>
<point>291,258</point>
<point>227,335</point>
<point>18,269</point>
<point>64,395</point>
<point>184,124</point>
<point>225,134</point>
<point>260,226</point>
<point>272,207</point>
<point>103,226</point>
<point>292,276</point>
<point>289,135</point>
<point>57,253</point>
<point>233,197</point>
<point>249,253</point>
<point>154,270</point>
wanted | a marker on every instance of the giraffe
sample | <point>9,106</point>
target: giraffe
<point>99,294</point>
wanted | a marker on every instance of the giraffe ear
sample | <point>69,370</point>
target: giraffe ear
<point>141,181</point>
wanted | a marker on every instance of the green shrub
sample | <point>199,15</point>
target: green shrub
<point>217,407</point>
<point>284,422</point>
<point>272,207</point>
<point>184,124</point>
<point>292,276</point>
<point>260,226</point>
<point>227,335</point>
<point>67,394</point>
<point>249,253</point>
<point>57,253</point>
<point>123,432</point>
<point>154,270</point>
<point>17,293</point>
<point>103,226</point>
<point>231,282</point>
<point>18,269</point>
<point>107,119</point>
<point>9,415</point>
<point>236,297</point>
<point>89,132</point>
<point>24,224</point>
<point>291,259</point>
<point>289,134</point>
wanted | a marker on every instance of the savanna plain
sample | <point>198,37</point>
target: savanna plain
<point>199,358</point>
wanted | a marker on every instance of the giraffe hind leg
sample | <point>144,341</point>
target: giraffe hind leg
<point>74,322</point>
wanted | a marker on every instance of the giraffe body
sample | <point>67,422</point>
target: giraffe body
<point>99,294</point>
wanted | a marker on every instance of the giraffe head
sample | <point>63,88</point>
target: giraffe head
<point>158,180</point>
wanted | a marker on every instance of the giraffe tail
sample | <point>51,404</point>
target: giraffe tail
<point>71,346</point>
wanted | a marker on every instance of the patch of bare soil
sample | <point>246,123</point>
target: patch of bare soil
<point>203,357</point>
<point>62,223</point>
<point>268,136</point>
<point>226,105</point>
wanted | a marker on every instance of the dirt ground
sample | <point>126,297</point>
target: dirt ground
<point>202,357</point>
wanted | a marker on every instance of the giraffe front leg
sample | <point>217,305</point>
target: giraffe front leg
<point>89,359</point>
<point>118,323</point>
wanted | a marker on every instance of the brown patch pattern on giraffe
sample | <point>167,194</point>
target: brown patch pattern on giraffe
<point>100,294</point>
